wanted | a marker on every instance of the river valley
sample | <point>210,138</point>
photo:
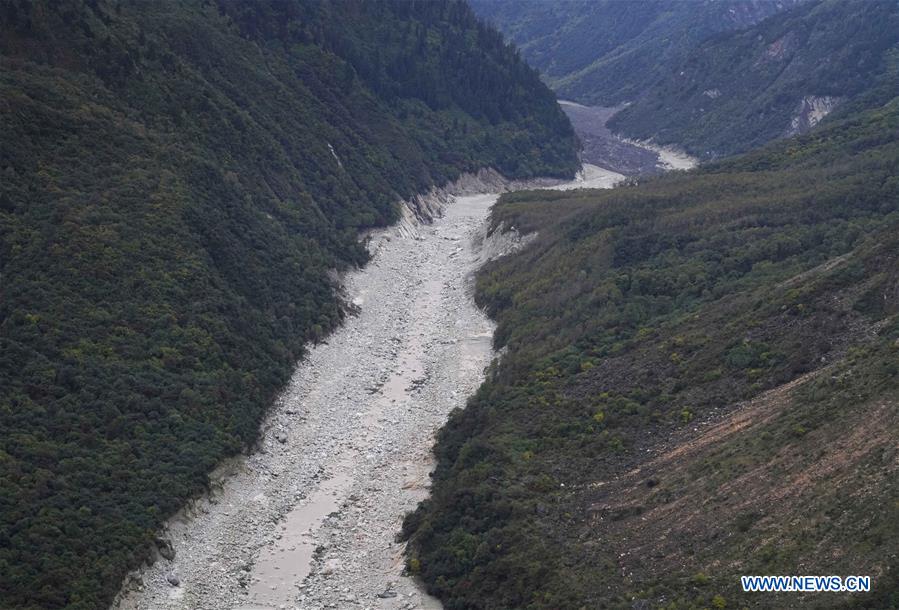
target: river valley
<point>310,519</point>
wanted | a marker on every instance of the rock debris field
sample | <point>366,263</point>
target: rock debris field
<point>310,519</point>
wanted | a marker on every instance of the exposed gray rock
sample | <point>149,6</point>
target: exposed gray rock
<point>164,546</point>
<point>809,112</point>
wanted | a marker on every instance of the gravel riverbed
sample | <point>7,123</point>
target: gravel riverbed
<point>310,519</point>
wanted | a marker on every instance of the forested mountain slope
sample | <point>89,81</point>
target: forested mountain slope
<point>178,180</point>
<point>742,89</point>
<point>699,380</point>
<point>605,52</point>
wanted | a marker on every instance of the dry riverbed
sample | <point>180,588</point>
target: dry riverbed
<point>310,520</point>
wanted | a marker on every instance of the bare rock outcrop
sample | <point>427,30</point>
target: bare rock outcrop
<point>809,112</point>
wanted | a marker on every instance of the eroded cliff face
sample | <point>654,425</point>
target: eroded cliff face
<point>426,207</point>
<point>809,112</point>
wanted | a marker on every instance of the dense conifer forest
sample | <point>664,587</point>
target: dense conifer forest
<point>699,380</point>
<point>179,179</point>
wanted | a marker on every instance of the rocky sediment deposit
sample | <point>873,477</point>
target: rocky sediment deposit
<point>605,149</point>
<point>615,153</point>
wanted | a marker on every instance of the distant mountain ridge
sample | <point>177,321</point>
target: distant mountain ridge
<point>739,90</point>
<point>605,52</point>
<point>715,78</point>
